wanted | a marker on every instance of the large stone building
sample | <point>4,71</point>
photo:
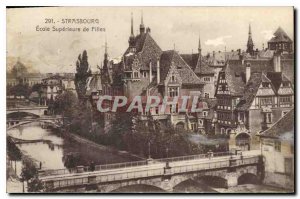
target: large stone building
<point>146,70</point>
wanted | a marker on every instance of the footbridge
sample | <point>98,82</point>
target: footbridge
<point>36,110</point>
<point>53,120</point>
<point>162,173</point>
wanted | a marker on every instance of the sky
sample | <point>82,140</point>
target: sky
<point>178,27</point>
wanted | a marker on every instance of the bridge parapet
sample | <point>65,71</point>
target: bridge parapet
<point>147,172</point>
<point>136,163</point>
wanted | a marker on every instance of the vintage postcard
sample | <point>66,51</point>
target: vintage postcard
<point>150,100</point>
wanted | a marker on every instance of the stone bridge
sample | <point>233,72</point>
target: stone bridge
<point>36,110</point>
<point>53,120</point>
<point>160,173</point>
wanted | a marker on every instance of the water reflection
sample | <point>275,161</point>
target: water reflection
<point>56,152</point>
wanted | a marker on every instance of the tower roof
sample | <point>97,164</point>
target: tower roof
<point>250,41</point>
<point>280,36</point>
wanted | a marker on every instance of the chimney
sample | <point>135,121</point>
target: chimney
<point>214,53</point>
<point>276,62</point>
<point>248,71</point>
<point>148,30</point>
<point>150,72</point>
<point>158,71</point>
<point>242,58</point>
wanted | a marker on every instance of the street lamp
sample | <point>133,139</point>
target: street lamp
<point>167,151</point>
<point>149,150</point>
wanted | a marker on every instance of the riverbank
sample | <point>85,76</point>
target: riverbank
<point>110,149</point>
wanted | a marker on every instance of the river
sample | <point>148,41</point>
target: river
<point>51,150</point>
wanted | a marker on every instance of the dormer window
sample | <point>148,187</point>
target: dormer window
<point>173,78</point>
<point>285,84</point>
<point>265,85</point>
<point>207,79</point>
<point>173,91</point>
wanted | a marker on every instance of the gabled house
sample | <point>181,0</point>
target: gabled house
<point>251,96</point>
<point>278,149</point>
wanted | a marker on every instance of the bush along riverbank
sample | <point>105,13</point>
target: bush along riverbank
<point>28,180</point>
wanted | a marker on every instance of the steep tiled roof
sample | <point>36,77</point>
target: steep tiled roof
<point>277,78</point>
<point>282,127</point>
<point>280,36</point>
<point>191,59</point>
<point>204,69</point>
<point>186,73</point>
<point>235,78</point>
<point>235,72</point>
<point>266,53</point>
<point>146,50</point>
<point>251,89</point>
<point>288,68</point>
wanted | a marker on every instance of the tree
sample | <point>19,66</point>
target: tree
<point>66,103</point>
<point>82,73</point>
<point>35,185</point>
<point>30,175</point>
<point>13,151</point>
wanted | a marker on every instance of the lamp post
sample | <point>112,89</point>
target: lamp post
<point>167,151</point>
<point>149,150</point>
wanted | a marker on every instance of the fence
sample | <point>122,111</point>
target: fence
<point>148,172</point>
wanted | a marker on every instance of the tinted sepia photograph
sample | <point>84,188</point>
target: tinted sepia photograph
<point>150,100</point>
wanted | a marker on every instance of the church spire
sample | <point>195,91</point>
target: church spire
<point>105,53</point>
<point>142,27</point>
<point>199,46</point>
<point>199,61</point>
<point>131,38</point>
<point>105,62</point>
<point>250,44</point>
<point>131,35</point>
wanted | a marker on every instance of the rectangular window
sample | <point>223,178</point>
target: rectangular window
<point>193,126</point>
<point>288,166</point>
<point>284,100</point>
<point>207,79</point>
<point>156,110</point>
<point>268,117</point>
<point>172,78</point>
<point>285,84</point>
<point>266,101</point>
<point>144,74</point>
<point>204,113</point>
<point>173,91</point>
<point>277,146</point>
<point>222,130</point>
<point>135,74</point>
<point>206,95</point>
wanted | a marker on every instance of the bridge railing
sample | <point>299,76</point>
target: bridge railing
<point>194,157</point>
<point>131,164</point>
<point>147,172</point>
<point>81,169</point>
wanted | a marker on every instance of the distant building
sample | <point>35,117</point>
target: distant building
<point>281,42</point>
<point>51,87</point>
<point>251,95</point>
<point>20,75</point>
<point>277,146</point>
